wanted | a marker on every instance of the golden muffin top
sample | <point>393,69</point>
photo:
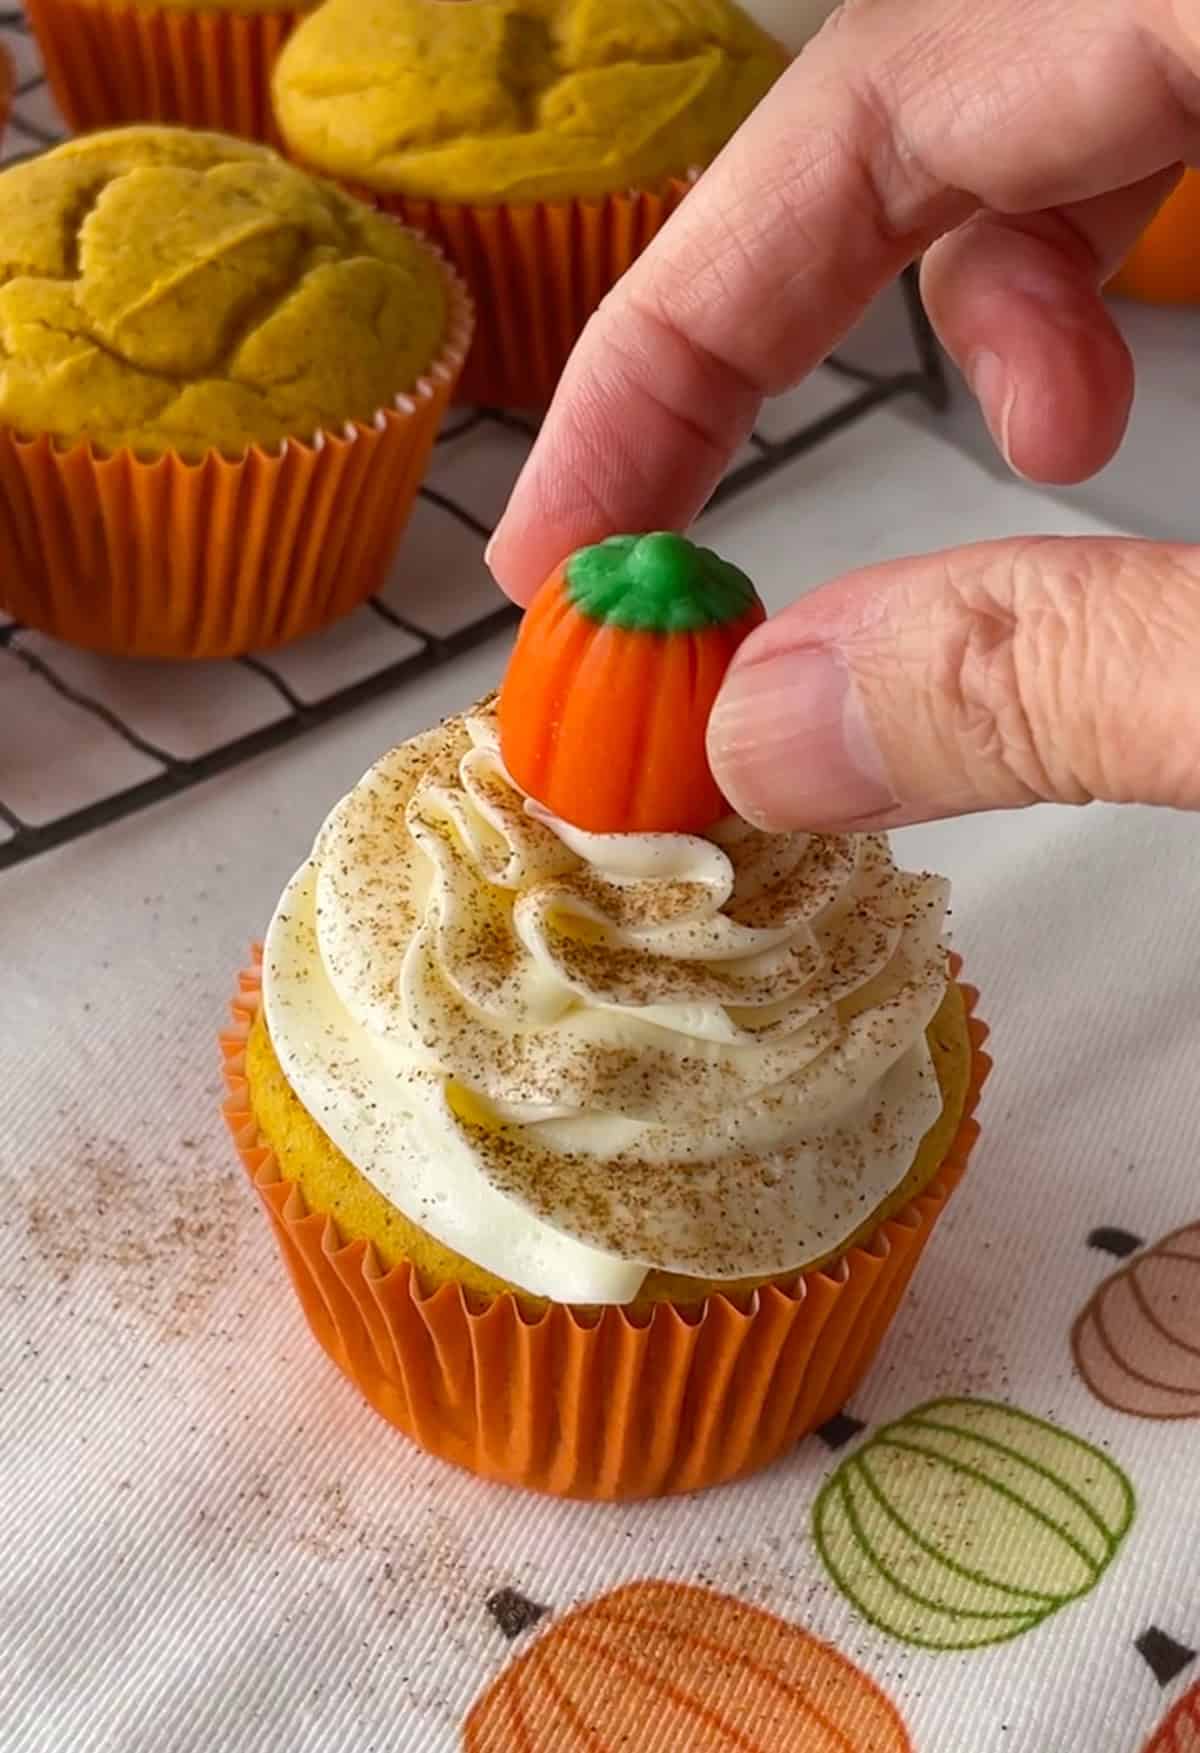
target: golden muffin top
<point>170,290</point>
<point>525,100</point>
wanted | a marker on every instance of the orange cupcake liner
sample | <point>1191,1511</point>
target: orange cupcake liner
<point>107,65</point>
<point>607,1404</point>
<point>537,272</point>
<point>170,558</point>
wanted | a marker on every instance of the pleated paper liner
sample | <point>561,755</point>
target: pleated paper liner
<point>536,272</point>
<point>109,64</point>
<point>169,558</point>
<point>594,1404</point>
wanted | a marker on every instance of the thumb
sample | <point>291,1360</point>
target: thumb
<point>982,678</point>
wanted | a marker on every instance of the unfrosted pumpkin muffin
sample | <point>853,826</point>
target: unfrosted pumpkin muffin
<point>542,143</point>
<point>202,63</point>
<point>219,382</point>
<point>600,1159</point>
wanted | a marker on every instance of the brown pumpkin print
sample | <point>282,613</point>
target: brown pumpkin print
<point>672,1665</point>
<point>1137,1341</point>
<point>1180,1732</point>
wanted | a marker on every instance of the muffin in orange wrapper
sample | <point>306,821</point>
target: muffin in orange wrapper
<point>600,1160</point>
<point>220,381</point>
<point>541,143</point>
<point>198,63</point>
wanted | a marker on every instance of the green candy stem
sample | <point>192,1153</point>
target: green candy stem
<point>659,583</point>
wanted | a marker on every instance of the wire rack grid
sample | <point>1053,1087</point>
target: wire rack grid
<point>102,738</point>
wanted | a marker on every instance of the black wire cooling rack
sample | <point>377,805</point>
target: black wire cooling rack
<point>158,771</point>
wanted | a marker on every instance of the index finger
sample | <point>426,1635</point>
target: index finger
<point>889,130</point>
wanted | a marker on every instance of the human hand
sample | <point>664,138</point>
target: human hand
<point>1022,148</point>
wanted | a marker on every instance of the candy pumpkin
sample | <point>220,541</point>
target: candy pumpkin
<point>1137,1341</point>
<point>967,1523</point>
<point>1163,267</point>
<point>668,1665</point>
<point>605,706</point>
<point>1180,1732</point>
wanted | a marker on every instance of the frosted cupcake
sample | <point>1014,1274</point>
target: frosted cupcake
<point>542,143</point>
<point>600,1160</point>
<point>220,380</point>
<point>202,63</point>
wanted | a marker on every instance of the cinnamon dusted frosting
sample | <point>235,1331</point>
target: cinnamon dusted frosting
<point>573,1058</point>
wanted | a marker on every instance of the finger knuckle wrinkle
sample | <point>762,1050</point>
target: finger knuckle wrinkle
<point>891,185</point>
<point>1005,676</point>
<point>699,421</point>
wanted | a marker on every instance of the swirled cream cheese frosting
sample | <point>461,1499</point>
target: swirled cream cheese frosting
<point>573,1058</point>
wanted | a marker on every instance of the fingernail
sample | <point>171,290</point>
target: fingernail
<point>995,389</point>
<point>792,747</point>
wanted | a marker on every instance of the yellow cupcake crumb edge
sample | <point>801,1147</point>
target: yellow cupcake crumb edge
<point>331,1184</point>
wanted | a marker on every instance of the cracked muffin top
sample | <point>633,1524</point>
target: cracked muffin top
<point>524,100</point>
<point>175,291</point>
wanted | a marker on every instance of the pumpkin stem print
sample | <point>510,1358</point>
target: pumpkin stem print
<point>967,1523</point>
<point>671,1666</point>
<point>1137,1341</point>
<point>604,710</point>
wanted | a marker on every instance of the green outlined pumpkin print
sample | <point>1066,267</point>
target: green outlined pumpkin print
<point>967,1523</point>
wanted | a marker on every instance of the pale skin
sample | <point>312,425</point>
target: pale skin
<point>1021,145</point>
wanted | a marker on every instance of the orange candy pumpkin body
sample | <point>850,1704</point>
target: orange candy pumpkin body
<point>668,1665</point>
<point>604,710</point>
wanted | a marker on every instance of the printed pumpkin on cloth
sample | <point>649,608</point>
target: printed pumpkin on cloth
<point>1180,1732</point>
<point>665,1665</point>
<point>1137,1342</point>
<point>600,1131</point>
<point>967,1523</point>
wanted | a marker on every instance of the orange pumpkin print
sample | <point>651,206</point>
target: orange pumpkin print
<point>670,1665</point>
<point>1180,1733</point>
<point>1137,1341</point>
<point>604,710</point>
